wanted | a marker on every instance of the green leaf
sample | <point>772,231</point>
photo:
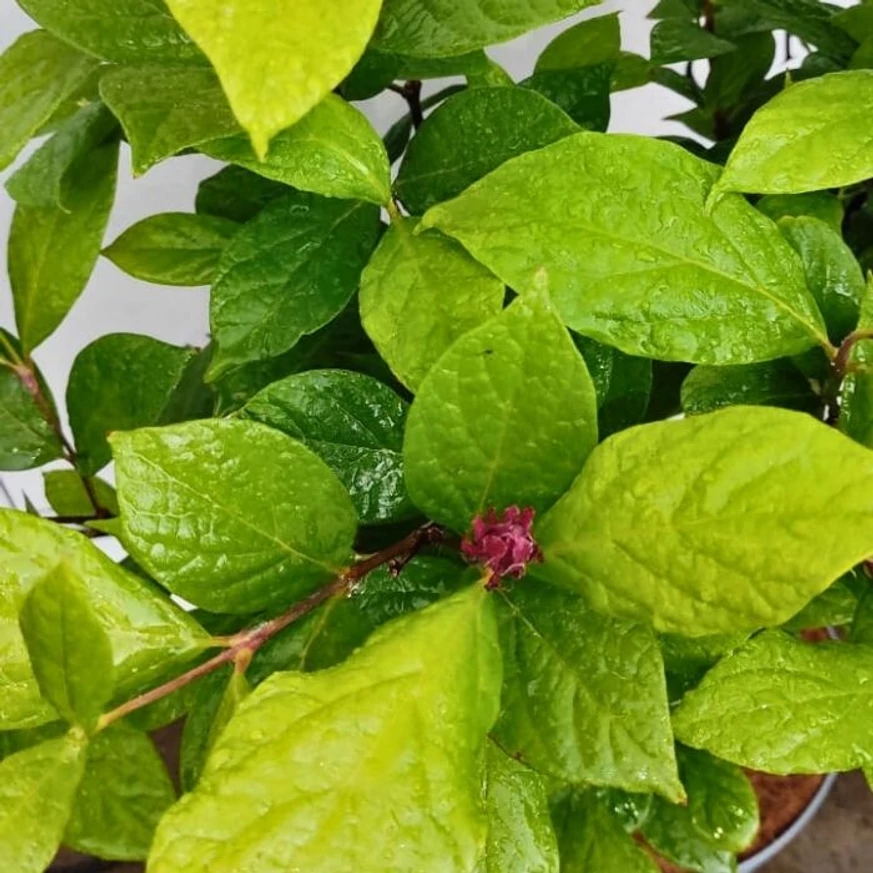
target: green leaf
<point>420,293</point>
<point>216,701</point>
<point>257,523</point>
<point>471,134</point>
<point>592,838</point>
<point>289,272</point>
<point>53,250</point>
<point>439,28</point>
<point>806,707</point>
<point>857,21</point>
<point>37,74</point>
<point>590,42</point>
<point>123,794</point>
<point>856,399</point>
<point>835,607</point>
<point>37,787</point>
<point>43,180</point>
<point>521,838</point>
<point>832,274</point>
<point>124,31</point>
<point>67,495</point>
<point>623,384</point>
<point>602,717</point>
<point>27,439</point>
<point>735,84</point>
<point>583,92</point>
<point>164,110</point>
<point>686,659</point>
<point>406,784</point>
<point>862,625</point>
<point>174,248</point>
<point>331,633</point>
<point>236,194</point>
<point>675,40</point>
<point>774,383</point>
<point>120,382</point>
<point>276,61</point>
<point>70,651</point>
<point>817,204</point>
<point>739,518</point>
<point>506,416</point>
<point>354,424</point>
<point>722,812</point>
<point>814,135</point>
<point>150,635</point>
<point>720,287</point>
<point>332,151</point>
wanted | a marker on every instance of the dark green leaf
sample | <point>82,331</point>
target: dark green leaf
<point>834,607</point>
<point>37,74</point>
<point>774,383</point>
<point>582,93</point>
<point>67,494</point>
<point>734,77</point>
<point>817,204</point>
<point>69,649</point>
<point>686,659</point>
<point>174,248</point>
<point>420,293</point>
<point>602,716</point>
<point>123,794</point>
<point>709,287</point>
<point>675,40</point>
<point>862,623</point>
<point>236,194</point>
<point>354,424</point>
<point>507,416</point>
<point>52,250</point>
<point>125,31</point>
<point>289,272</point>
<point>856,400</point>
<point>590,42</point>
<point>259,522</point>
<point>471,134</point>
<point>120,382</point>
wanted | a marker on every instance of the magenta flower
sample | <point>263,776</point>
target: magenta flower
<point>504,544</point>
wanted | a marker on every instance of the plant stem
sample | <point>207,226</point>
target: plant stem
<point>709,15</point>
<point>844,352</point>
<point>411,92</point>
<point>242,646</point>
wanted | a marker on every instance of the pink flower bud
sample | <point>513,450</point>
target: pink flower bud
<point>504,544</point>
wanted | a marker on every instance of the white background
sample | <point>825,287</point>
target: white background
<point>114,302</point>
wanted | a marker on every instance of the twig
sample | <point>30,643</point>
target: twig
<point>709,15</point>
<point>242,646</point>
<point>411,92</point>
<point>844,352</point>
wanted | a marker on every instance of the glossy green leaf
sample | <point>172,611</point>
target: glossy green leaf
<point>774,383</point>
<point>719,287</point>
<point>583,92</point>
<point>440,28</point>
<point>69,649</point>
<point>420,293</point>
<point>602,716</point>
<point>735,83</point>
<point>806,707</point>
<point>330,634</point>
<point>175,248</point>
<point>67,495</point>
<point>125,31</point>
<point>333,151</point>
<point>521,838</point>
<point>27,439</point>
<point>471,134</point>
<point>675,40</point>
<point>835,607</point>
<point>43,180</point>
<point>816,204</point>
<point>236,194</point>
<point>856,399</point>
<point>53,250</point>
<point>150,635</point>
<point>37,74</point>
<point>862,627</point>
<point>590,42</point>
<point>37,787</point>
<point>120,382</point>
<point>356,747</point>
<point>217,700</point>
<point>507,416</point>
<point>123,794</point>
<point>592,838</point>
<point>354,424</point>
<point>288,273</point>
<point>258,522</point>
<point>276,61</point>
<point>739,518</point>
<point>832,274</point>
<point>686,659</point>
<point>166,109</point>
<point>812,136</point>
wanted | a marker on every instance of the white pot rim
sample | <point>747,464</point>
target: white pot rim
<point>799,824</point>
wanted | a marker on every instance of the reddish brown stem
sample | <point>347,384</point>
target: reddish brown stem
<point>709,15</point>
<point>242,646</point>
<point>844,352</point>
